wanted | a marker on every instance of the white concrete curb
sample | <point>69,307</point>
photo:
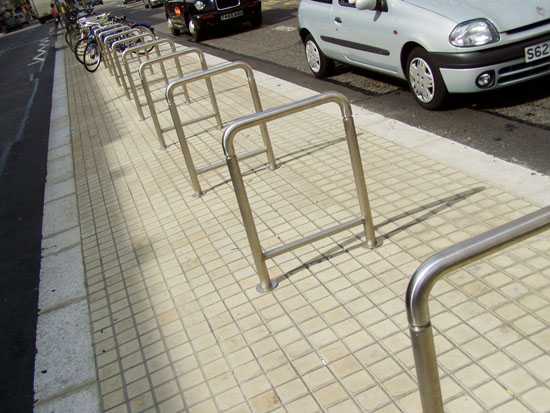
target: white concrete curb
<point>526,183</point>
<point>65,374</point>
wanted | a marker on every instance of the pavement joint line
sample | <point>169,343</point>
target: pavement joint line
<point>45,250</point>
<point>63,304</point>
<point>85,396</point>
<point>67,392</point>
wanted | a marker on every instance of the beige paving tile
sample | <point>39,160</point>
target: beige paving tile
<point>177,323</point>
<point>537,399</point>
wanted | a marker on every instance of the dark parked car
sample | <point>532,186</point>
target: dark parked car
<point>197,16</point>
<point>152,3</point>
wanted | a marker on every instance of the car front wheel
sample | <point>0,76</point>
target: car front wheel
<point>194,29</point>
<point>425,80</point>
<point>319,64</point>
<point>256,20</point>
<point>173,30</point>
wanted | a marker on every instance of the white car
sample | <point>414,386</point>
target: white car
<point>438,46</point>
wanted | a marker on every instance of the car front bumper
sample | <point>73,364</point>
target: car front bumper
<point>217,17</point>
<point>507,64</point>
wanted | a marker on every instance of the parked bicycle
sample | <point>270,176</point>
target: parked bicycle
<point>87,50</point>
<point>71,19</point>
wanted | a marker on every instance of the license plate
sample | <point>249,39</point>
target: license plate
<point>232,15</point>
<point>538,51</point>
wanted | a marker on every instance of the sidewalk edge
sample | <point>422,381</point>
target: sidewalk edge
<point>65,374</point>
<point>522,181</point>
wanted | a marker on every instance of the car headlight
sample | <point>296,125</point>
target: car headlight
<point>199,5</point>
<point>474,33</point>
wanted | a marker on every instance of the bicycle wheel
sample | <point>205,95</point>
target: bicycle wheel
<point>92,57</point>
<point>74,37</point>
<point>67,36</point>
<point>80,49</point>
<point>144,29</point>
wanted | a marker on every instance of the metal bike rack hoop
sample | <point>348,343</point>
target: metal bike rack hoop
<point>140,37</point>
<point>266,284</point>
<point>136,49</point>
<point>109,43</point>
<point>98,32</point>
<point>178,125</point>
<point>145,84</point>
<point>101,42</point>
<point>432,270</point>
<point>109,26</point>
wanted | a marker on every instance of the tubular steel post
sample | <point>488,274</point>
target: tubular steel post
<point>359,178</point>
<point>244,205</point>
<point>103,29</point>
<point>99,31</point>
<point>105,49</point>
<point>125,42</point>
<point>122,45</point>
<point>109,43</point>
<point>178,125</point>
<point>263,127</point>
<point>175,56</point>
<point>98,35</point>
<point>433,269</point>
<point>266,284</point>
<point>136,49</point>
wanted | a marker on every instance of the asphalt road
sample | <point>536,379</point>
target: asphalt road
<point>512,124</point>
<point>26,70</point>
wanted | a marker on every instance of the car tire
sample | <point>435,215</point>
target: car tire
<point>173,30</point>
<point>194,29</point>
<point>256,20</point>
<point>425,80</point>
<point>319,64</point>
<point>146,4</point>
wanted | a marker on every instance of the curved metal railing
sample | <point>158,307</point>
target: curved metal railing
<point>430,272</point>
<point>137,50</point>
<point>178,124</point>
<point>266,284</point>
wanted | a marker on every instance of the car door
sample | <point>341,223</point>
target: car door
<point>367,37</point>
<point>315,17</point>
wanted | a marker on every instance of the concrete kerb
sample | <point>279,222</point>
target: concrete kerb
<point>65,378</point>
<point>530,185</point>
<point>65,374</point>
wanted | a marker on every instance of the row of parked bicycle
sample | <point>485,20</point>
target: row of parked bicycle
<point>84,29</point>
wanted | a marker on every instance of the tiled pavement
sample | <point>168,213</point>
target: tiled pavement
<point>176,322</point>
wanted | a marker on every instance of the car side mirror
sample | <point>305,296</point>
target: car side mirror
<point>365,4</point>
<point>380,5</point>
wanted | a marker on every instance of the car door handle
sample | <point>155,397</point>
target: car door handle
<point>338,20</point>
